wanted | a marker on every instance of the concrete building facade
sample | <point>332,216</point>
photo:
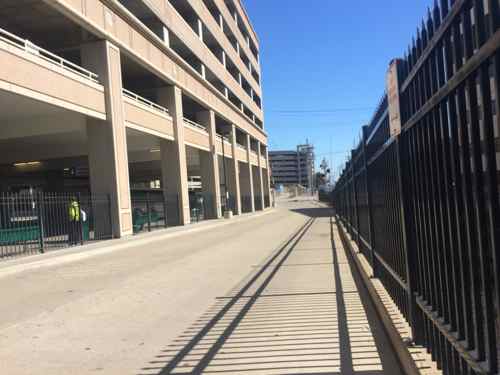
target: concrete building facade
<point>107,95</point>
<point>293,167</point>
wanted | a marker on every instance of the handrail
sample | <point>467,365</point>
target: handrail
<point>195,124</point>
<point>221,137</point>
<point>33,49</point>
<point>140,99</point>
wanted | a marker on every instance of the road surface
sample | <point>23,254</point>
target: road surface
<point>272,294</point>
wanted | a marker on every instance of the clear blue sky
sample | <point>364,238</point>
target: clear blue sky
<point>327,55</point>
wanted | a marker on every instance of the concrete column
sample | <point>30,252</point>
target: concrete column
<point>159,29</point>
<point>226,92</point>
<point>221,21</point>
<point>224,61</point>
<point>173,154</point>
<point>107,140</point>
<point>203,71</point>
<point>200,29</point>
<point>250,172</point>
<point>166,36</point>
<point>235,172</point>
<point>238,48</point>
<point>260,177</point>
<point>240,79</point>
<point>209,161</point>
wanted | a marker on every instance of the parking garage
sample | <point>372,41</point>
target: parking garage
<point>83,120</point>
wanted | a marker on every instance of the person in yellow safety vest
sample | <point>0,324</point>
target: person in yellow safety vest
<point>74,222</point>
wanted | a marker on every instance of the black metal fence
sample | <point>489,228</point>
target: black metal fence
<point>246,204</point>
<point>202,207</point>
<point>267,201</point>
<point>35,223</point>
<point>228,203</point>
<point>153,210</point>
<point>258,202</point>
<point>423,206</point>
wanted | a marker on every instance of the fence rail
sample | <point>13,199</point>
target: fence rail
<point>35,50</point>
<point>195,125</point>
<point>423,206</point>
<point>144,101</point>
<point>223,138</point>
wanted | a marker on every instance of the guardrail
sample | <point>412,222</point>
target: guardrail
<point>31,48</point>
<point>144,101</point>
<point>195,125</point>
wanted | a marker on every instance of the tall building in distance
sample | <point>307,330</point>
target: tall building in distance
<point>293,167</point>
<point>108,97</point>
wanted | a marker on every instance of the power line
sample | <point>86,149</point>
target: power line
<point>318,111</point>
<point>334,153</point>
<point>357,125</point>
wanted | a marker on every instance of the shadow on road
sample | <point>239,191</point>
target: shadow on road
<point>298,313</point>
<point>316,212</point>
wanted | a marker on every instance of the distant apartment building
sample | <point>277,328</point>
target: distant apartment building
<point>106,97</point>
<point>293,167</point>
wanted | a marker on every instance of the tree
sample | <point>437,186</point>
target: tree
<point>325,169</point>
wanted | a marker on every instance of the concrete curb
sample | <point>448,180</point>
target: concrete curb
<point>400,347</point>
<point>74,254</point>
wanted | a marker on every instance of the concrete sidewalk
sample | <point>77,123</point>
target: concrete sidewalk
<point>79,253</point>
<point>274,294</point>
<point>303,311</point>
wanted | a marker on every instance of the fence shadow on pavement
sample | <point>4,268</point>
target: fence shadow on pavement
<point>320,211</point>
<point>270,324</point>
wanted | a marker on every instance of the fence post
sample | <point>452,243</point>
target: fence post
<point>165,217</point>
<point>110,216</point>
<point>409,251</point>
<point>41,230</point>
<point>148,209</point>
<point>78,197</point>
<point>355,194</point>
<point>369,201</point>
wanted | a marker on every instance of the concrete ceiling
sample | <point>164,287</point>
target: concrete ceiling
<point>15,107</point>
<point>32,130</point>
<point>39,22</point>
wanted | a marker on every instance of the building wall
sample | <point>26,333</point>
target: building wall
<point>285,168</point>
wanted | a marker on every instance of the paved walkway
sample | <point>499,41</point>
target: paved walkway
<point>302,311</point>
<point>271,294</point>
